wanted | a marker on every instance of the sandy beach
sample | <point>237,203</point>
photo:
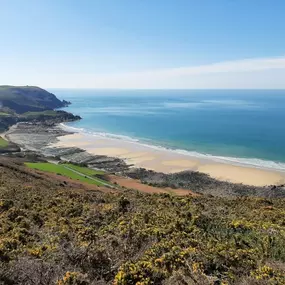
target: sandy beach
<point>168,161</point>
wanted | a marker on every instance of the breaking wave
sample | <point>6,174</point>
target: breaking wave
<point>251,162</point>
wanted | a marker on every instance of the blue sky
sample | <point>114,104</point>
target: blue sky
<point>97,43</point>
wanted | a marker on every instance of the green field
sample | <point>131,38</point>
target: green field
<point>84,170</point>
<point>63,170</point>
<point>3,143</point>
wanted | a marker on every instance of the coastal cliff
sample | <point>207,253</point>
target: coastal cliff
<point>31,104</point>
<point>23,99</point>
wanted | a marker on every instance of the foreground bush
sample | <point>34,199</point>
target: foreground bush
<point>53,235</point>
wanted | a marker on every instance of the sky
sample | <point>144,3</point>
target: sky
<point>143,43</point>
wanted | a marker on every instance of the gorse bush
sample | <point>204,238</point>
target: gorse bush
<point>55,235</point>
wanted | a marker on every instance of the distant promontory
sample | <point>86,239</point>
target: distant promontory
<point>29,98</point>
<point>30,103</point>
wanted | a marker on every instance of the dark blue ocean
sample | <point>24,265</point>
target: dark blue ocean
<point>243,126</point>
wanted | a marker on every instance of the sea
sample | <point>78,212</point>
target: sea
<point>244,127</point>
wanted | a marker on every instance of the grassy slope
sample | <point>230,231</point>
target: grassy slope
<point>45,113</point>
<point>8,93</point>
<point>29,103</point>
<point>51,234</point>
<point>84,170</point>
<point>27,98</point>
<point>60,169</point>
<point>3,143</point>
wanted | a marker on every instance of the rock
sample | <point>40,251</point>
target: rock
<point>202,183</point>
<point>11,148</point>
<point>38,137</point>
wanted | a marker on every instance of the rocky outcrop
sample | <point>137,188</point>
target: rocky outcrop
<point>203,183</point>
<point>7,121</point>
<point>51,117</point>
<point>34,136</point>
<point>38,137</point>
<point>31,104</point>
<point>39,117</point>
<point>81,157</point>
<point>11,148</point>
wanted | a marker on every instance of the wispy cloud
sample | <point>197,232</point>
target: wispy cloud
<point>244,65</point>
<point>249,73</point>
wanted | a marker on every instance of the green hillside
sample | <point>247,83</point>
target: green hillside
<point>69,170</point>
<point>28,98</point>
<point>29,103</point>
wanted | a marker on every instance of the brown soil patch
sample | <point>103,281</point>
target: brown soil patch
<point>30,177</point>
<point>137,185</point>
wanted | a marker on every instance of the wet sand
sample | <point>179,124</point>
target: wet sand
<point>168,161</point>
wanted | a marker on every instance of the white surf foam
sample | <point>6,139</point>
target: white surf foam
<point>250,162</point>
<point>101,134</point>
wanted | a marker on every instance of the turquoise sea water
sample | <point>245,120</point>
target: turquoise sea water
<point>242,126</point>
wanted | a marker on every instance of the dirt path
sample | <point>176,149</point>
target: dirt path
<point>64,181</point>
<point>89,177</point>
<point>137,185</point>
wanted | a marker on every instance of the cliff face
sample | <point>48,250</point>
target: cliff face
<point>30,104</point>
<point>6,121</point>
<point>29,98</point>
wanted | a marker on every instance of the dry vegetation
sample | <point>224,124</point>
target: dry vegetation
<point>56,234</point>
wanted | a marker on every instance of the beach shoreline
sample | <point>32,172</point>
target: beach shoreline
<point>168,161</point>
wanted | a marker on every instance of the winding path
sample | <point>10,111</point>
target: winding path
<point>89,177</point>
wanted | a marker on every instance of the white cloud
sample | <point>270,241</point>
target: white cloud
<point>232,66</point>
<point>249,73</point>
